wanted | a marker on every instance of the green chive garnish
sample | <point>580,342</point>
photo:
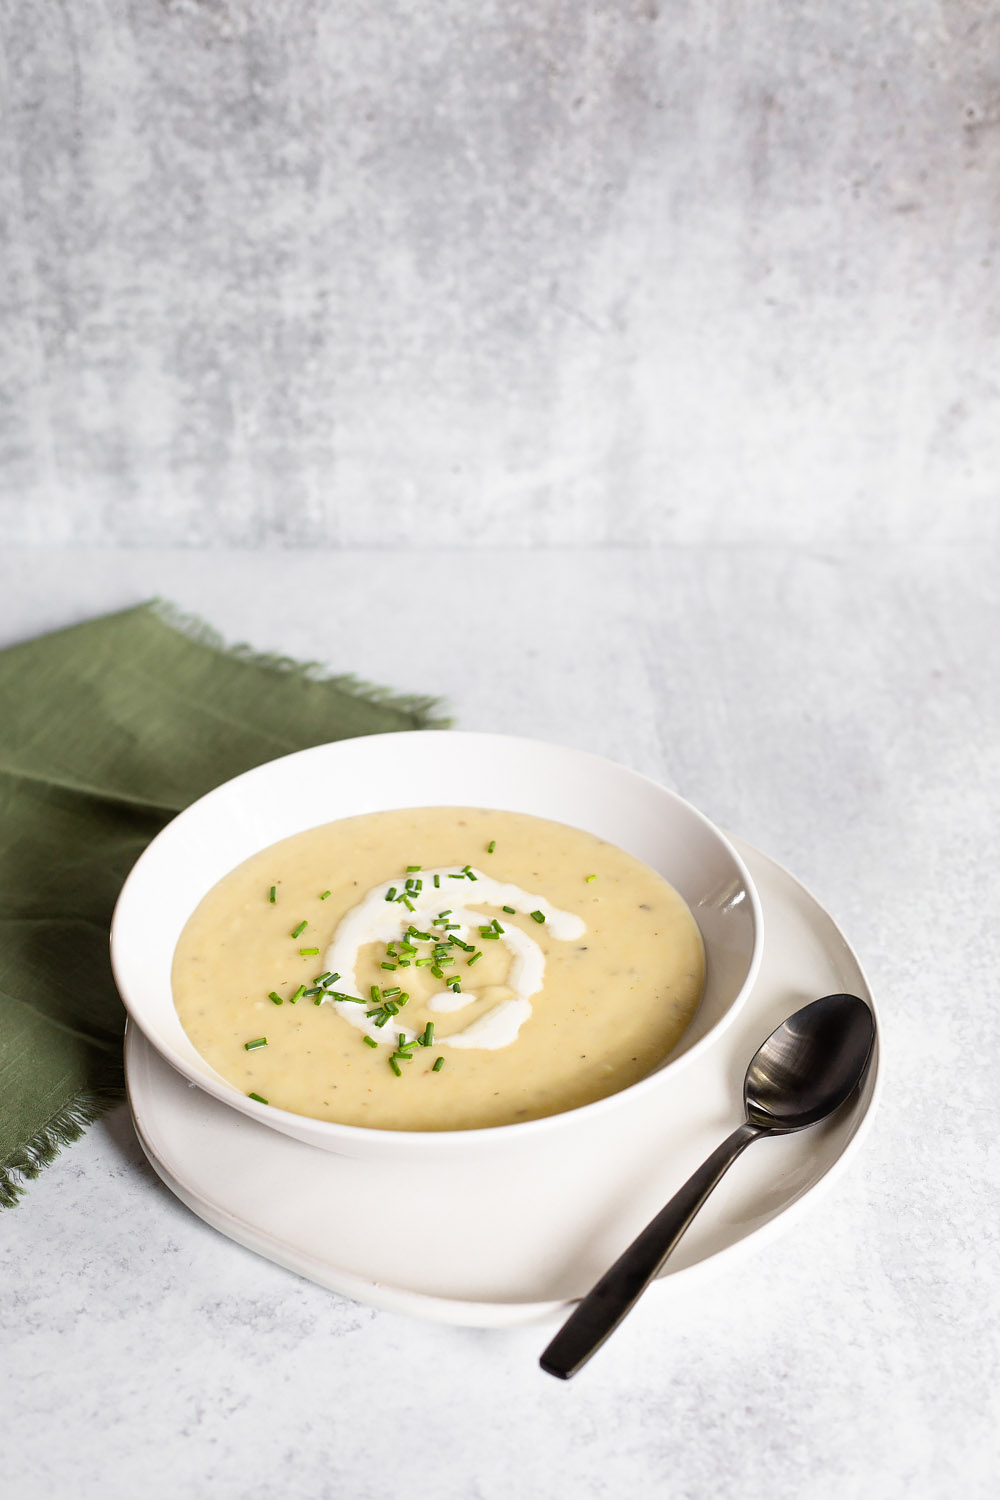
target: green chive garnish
<point>411,869</point>
<point>272,894</point>
<point>491,846</point>
<point>474,959</point>
<point>387,966</point>
<point>308,952</point>
<point>509,909</point>
<point>259,1098</point>
<point>438,1065</point>
<point>292,999</point>
<point>276,998</point>
<point>394,1065</point>
<point>497,926</point>
<point>323,895</point>
<point>258,1041</point>
<point>437,882</point>
<point>300,929</point>
<point>538,916</point>
<point>391,994</point>
<point>390,894</point>
<point>376,995</point>
<point>370,1041</point>
<point>589,878</point>
<point>427,1040</point>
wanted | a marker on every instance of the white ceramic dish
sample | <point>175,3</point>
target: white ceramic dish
<point>423,768</point>
<point>514,1244</point>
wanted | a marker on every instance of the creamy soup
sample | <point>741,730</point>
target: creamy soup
<point>438,969</point>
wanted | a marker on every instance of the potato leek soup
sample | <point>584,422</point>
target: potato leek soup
<point>438,969</point>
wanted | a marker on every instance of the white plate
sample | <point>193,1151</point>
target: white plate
<point>513,1239</point>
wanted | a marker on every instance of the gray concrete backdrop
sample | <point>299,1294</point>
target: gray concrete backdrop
<point>363,274</point>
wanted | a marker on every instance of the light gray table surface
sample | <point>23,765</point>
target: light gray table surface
<point>837,707</point>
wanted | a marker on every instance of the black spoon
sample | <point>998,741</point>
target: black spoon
<point>805,1070</point>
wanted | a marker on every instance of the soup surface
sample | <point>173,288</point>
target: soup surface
<point>438,969</point>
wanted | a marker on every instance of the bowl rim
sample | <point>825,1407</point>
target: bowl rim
<point>292,1123</point>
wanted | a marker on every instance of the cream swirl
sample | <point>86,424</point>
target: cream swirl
<point>377,919</point>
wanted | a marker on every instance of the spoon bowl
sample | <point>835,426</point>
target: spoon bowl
<point>806,1069</point>
<point>809,1065</point>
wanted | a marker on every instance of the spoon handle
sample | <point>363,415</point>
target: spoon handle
<point>621,1286</point>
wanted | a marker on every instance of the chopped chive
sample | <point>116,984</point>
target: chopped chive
<point>390,894</point>
<point>376,995</point>
<point>370,1041</point>
<point>276,998</point>
<point>589,878</point>
<point>510,909</point>
<point>427,1040</point>
<point>322,978</point>
<point>258,1041</point>
<point>423,963</point>
<point>467,872</point>
<point>408,904</point>
<point>387,966</point>
<point>438,973</point>
<point>272,894</point>
<point>411,869</point>
<point>323,895</point>
<point>404,963</point>
<point>438,1065</point>
<point>351,999</point>
<point>382,1019</point>
<point>318,1000</point>
<point>497,926</point>
<point>445,913</point>
<point>456,877</point>
<point>308,952</point>
<point>491,846</point>
<point>437,882</point>
<point>294,999</point>
<point>388,994</point>
<point>259,1098</point>
<point>300,929</point>
<point>474,959</point>
<point>403,998</point>
<point>488,935</point>
<point>394,1065</point>
<point>538,916</point>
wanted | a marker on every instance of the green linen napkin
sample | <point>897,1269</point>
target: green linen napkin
<point>106,731</point>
